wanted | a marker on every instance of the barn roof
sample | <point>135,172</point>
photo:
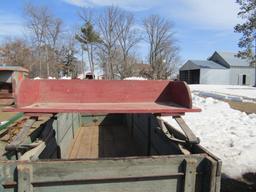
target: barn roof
<point>229,59</point>
<point>199,64</point>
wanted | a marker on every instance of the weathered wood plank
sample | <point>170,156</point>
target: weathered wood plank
<point>25,178</point>
<point>190,175</point>
<point>111,174</point>
<point>93,169</point>
<point>188,132</point>
<point>164,185</point>
<point>22,135</point>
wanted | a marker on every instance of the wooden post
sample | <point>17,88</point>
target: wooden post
<point>25,178</point>
<point>190,176</point>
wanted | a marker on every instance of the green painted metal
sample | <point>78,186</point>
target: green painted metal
<point>11,121</point>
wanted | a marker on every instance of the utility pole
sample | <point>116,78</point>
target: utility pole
<point>83,66</point>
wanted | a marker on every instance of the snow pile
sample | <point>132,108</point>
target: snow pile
<point>226,92</point>
<point>135,78</point>
<point>66,77</point>
<point>227,133</point>
<point>37,78</point>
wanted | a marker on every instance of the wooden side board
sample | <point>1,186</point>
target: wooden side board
<point>156,173</point>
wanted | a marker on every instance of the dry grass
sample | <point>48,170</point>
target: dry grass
<point>244,107</point>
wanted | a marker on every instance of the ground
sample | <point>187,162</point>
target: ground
<point>227,92</point>
<point>227,128</point>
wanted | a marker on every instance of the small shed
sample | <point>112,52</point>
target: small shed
<point>10,76</point>
<point>197,71</point>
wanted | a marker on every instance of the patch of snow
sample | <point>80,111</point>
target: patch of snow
<point>226,92</point>
<point>66,77</point>
<point>38,78</point>
<point>51,77</point>
<point>3,122</point>
<point>81,76</point>
<point>227,133</point>
<point>135,78</point>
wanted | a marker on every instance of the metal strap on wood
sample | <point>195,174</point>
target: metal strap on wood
<point>190,136</point>
<point>188,132</point>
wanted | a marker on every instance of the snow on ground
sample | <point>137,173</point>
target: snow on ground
<point>227,133</point>
<point>135,78</point>
<point>51,77</point>
<point>66,77</point>
<point>227,92</point>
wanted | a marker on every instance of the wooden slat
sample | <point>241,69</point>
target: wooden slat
<point>190,175</point>
<point>25,178</point>
<point>163,185</point>
<point>90,169</point>
<point>191,138</point>
<point>139,174</point>
<point>22,135</point>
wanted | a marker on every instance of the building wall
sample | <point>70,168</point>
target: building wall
<point>214,76</point>
<point>232,76</point>
<point>236,74</point>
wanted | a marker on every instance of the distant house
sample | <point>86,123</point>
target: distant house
<point>220,68</point>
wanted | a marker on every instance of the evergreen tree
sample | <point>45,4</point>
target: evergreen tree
<point>88,37</point>
<point>68,63</point>
<point>248,29</point>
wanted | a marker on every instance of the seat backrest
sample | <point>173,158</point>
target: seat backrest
<point>102,91</point>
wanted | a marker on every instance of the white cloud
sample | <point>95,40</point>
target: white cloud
<point>203,13</point>
<point>134,5</point>
<point>213,14</point>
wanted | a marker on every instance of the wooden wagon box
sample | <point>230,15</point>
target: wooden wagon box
<point>105,150</point>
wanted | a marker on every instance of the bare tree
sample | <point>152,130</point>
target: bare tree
<point>162,49</point>
<point>45,31</point>
<point>16,52</point>
<point>128,38</point>
<point>107,24</point>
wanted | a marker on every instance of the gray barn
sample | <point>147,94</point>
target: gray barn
<point>221,68</point>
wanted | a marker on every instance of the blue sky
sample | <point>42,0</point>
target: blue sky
<point>201,26</point>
